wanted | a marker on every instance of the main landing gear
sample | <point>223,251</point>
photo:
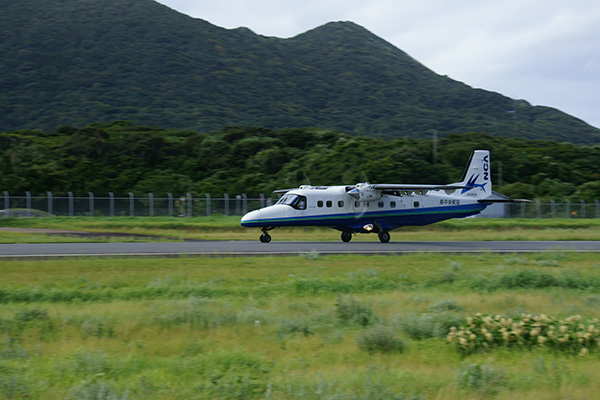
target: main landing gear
<point>346,236</point>
<point>265,237</point>
<point>384,236</point>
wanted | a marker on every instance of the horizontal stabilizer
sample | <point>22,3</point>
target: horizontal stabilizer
<point>504,201</point>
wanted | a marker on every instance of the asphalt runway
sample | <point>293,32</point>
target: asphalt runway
<point>255,248</point>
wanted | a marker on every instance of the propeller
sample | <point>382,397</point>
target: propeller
<point>362,193</point>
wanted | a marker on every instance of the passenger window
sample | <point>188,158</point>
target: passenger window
<point>357,204</point>
<point>380,204</point>
<point>392,204</point>
<point>341,204</point>
<point>416,204</point>
<point>329,203</point>
<point>320,203</point>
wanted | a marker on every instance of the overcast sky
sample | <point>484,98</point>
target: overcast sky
<point>544,51</point>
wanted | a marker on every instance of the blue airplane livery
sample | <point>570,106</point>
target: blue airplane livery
<point>378,208</point>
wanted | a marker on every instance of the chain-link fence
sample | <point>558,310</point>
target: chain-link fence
<point>94,205</point>
<point>111,205</point>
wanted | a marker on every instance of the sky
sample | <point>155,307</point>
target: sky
<point>544,51</point>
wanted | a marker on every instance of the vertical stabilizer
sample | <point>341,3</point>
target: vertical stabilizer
<point>477,176</point>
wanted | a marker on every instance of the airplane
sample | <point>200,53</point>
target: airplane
<point>379,208</point>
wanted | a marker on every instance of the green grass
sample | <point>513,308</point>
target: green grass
<point>352,327</point>
<point>228,228</point>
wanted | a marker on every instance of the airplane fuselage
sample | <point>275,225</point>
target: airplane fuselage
<point>333,207</point>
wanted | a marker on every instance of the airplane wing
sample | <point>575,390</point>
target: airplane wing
<point>385,186</point>
<point>420,189</point>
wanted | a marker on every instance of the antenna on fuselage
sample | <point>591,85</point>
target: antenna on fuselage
<point>306,178</point>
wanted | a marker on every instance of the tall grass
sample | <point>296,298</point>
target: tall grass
<point>359,327</point>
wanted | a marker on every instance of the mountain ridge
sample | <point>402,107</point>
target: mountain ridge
<point>73,62</point>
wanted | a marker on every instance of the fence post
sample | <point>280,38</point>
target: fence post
<point>553,208</point>
<point>111,204</point>
<point>244,203</point>
<point>238,199</point>
<point>91,195</point>
<point>582,202</point>
<point>207,195</point>
<point>189,204</point>
<point>597,208</point>
<point>151,204</point>
<point>262,200</point>
<point>28,204</point>
<point>538,209</point>
<point>6,205</point>
<point>522,210</point>
<point>226,200</point>
<point>131,205</point>
<point>568,208</point>
<point>70,194</point>
<point>170,196</point>
<point>50,210</point>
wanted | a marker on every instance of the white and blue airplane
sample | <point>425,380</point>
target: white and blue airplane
<point>378,208</point>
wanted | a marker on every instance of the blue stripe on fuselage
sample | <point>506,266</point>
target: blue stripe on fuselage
<point>391,218</point>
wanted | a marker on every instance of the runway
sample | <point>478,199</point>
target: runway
<point>255,248</point>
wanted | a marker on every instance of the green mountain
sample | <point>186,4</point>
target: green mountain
<point>72,62</point>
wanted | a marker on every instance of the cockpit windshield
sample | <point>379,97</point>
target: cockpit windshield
<point>288,199</point>
<point>293,200</point>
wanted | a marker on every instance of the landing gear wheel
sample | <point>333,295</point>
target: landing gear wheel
<point>346,237</point>
<point>265,238</point>
<point>384,237</point>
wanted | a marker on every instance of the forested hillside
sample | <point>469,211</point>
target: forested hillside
<point>122,157</point>
<point>74,62</point>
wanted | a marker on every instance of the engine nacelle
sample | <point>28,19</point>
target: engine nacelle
<point>365,192</point>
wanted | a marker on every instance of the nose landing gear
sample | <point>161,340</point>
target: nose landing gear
<point>265,237</point>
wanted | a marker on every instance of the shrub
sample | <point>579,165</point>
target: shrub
<point>288,326</point>
<point>352,312</point>
<point>380,339</point>
<point>13,387</point>
<point>96,391</point>
<point>95,326</point>
<point>429,325</point>
<point>445,305</point>
<point>482,377</point>
<point>574,335</point>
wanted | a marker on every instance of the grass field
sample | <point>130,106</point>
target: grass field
<point>228,228</point>
<point>303,327</point>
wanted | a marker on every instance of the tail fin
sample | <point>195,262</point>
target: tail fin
<point>477,176</point>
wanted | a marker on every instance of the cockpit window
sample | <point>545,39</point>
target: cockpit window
<point>294,200</point>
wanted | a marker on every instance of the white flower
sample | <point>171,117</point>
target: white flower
<point>541,340</point>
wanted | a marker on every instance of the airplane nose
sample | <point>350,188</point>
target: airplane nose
<point>252,216</point>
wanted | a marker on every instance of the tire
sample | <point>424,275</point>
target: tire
<point>346,237</point>
<point>265,238</point>
<point>384,237</point>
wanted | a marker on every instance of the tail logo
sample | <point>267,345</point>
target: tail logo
<point>485,166</point>
<point>471,183</point>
